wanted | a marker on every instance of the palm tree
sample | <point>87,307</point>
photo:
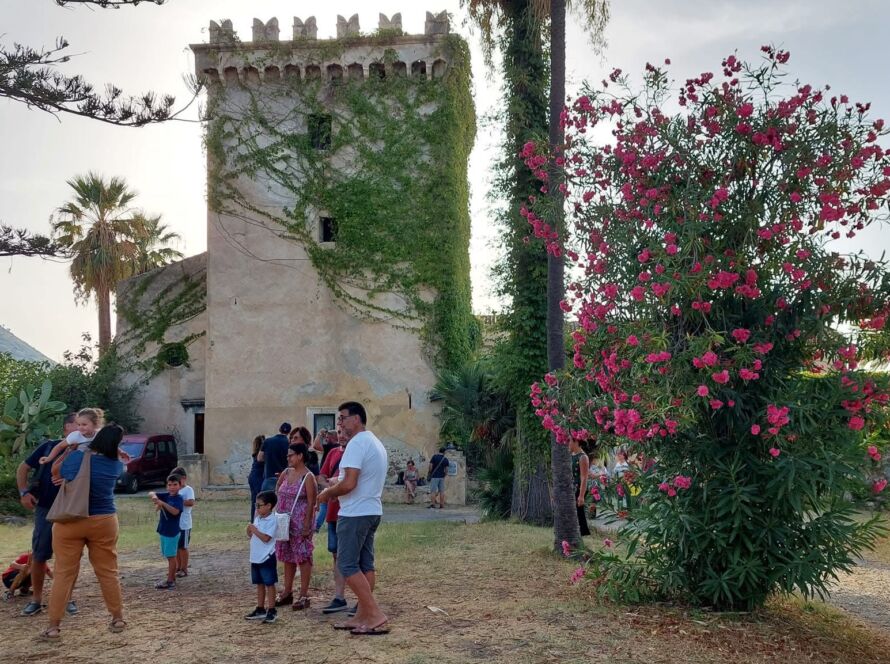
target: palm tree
<point>565,519</point>
<point>152,241</point>
<point>108,241</point>
<point>473,409</point>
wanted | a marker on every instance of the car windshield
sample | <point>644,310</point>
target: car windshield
<point>133,449</point>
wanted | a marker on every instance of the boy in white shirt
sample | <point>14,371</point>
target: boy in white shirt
<point>185,523</point>
<point>263,564</point>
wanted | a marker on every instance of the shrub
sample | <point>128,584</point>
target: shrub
<point>708,287</point>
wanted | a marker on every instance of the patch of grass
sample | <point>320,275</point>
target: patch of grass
<point>489,592</point>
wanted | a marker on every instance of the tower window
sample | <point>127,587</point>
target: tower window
<point>328,229</point>
<point>320,131</point>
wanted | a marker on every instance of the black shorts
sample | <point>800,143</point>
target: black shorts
<point>264,573</point>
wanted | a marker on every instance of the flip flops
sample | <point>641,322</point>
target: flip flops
<point>362,630</point>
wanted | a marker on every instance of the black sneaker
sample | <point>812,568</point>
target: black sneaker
<point>336,606</point>
<point>259,613</point>
<point>352,610</point>
<point>32,609</point>
<point>271,616</point>
<point>71,609</point>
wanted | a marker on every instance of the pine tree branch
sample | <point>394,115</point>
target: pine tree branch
<point>30,76</point>
<point>21,242</point>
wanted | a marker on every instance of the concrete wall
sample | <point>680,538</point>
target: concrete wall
<point>160,400</point>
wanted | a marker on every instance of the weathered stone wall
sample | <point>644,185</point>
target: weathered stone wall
<point>279,346</point>
<point>161,400</point>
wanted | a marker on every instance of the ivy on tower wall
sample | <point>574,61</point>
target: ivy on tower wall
<point>391,172</point>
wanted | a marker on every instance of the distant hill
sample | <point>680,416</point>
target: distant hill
<point>18,349</point>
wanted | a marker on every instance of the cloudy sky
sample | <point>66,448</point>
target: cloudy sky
<point>146,48</point>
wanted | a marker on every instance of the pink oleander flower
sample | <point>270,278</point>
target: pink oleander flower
<point>741,335</point>
<point>702,391</point>
<point>608,543</point>
<point>874,453</point>
<point>775,452</point>
<point>682,482</point>
<point>577,575</point>
<point>566,549</point>
<point>755,429</point>
<point>856,423</point>
<point>879,485</point>
<point>721,377</point>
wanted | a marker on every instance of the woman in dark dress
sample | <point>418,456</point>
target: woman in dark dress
<point>580,468</point>
<point>255,477</point>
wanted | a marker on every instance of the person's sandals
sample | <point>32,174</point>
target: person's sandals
<point>300,604</point>
<point>117,625</point>
<point>284,600</point>
<point>364,630</point>
<point>51,634</point>
<point>181,573</point>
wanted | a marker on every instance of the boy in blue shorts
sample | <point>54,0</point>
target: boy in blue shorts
<point>169,505</point>
<point>185,522</point>
<point>263,564</point>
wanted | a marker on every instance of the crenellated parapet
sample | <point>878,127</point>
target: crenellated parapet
<point>351,55</point>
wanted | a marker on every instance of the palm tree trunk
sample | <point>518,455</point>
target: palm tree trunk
<point>525,73</point>
<point>103,299</point>
<point>565,518</point>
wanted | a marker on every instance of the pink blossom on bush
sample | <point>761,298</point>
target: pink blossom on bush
<point>741,335</point>
<point>879,485</point>
<point>721,377</point>
<point>774,452</point>
<point>577,575</point>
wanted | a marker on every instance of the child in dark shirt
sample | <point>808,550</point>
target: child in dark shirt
<point>169,505</point>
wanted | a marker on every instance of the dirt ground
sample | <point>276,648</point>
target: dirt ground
<point>453,592</point>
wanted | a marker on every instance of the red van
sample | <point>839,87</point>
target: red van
<point>152,457</point>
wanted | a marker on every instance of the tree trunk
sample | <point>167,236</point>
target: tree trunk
<point>103,299</point>
<point>565,517</point>
<point>531,487</point>
<point>524,267</point>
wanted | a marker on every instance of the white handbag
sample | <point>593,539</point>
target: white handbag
<point>282,519</point>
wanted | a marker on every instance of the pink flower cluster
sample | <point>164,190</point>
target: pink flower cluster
<point>680,482</point>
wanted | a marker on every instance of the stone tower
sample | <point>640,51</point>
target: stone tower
<point>337,260</point>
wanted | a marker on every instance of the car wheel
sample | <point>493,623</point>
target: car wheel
<point>131,485</point>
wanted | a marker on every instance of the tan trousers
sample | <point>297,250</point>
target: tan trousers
<point>99,535</point>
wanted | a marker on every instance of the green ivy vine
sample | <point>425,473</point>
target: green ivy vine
<point>149,323</point>
<point>394,177</point>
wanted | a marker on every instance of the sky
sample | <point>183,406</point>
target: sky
<point>146,48</point>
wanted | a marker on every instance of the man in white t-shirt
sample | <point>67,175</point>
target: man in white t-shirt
<point>359,487</point>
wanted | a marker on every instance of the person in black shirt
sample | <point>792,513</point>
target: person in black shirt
<point>273,456</point>
<point>438,469</point>
<point>39,496</point>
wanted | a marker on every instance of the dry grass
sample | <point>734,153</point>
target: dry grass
<point>503,597</point>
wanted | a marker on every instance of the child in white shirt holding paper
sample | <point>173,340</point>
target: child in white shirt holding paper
<point>263,564</point>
